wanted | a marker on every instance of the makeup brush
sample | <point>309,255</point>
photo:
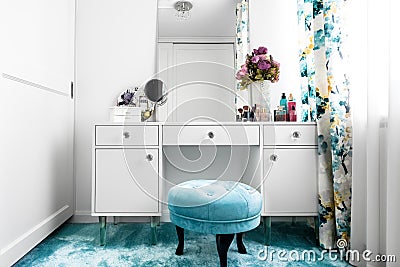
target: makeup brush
<point>240,112</point>
<point>246,112</point>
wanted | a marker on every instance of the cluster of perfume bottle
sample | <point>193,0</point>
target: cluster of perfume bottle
<point>286,111</point>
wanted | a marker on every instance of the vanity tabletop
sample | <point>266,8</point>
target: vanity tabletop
<point>162,123</point>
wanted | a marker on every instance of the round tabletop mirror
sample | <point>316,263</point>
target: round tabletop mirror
<point>154,91</point>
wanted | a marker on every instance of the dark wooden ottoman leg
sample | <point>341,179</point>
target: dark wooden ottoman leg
<point>181,238</point>
<point>223,243</point>
<point>240,245</point>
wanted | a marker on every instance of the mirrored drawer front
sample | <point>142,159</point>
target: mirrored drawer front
<point>118,135</point>
<point>290,135</point>
<point>211,135</point>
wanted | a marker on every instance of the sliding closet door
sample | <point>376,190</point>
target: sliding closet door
<point>36,136</point>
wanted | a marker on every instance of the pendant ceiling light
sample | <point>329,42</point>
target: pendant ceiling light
<point>183,10</point>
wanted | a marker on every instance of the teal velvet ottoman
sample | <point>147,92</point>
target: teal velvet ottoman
<point>216,207</point>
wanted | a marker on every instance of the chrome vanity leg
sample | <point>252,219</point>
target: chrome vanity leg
<point>103,222</point>
<point>116,220</point>
<point>316,229</point>
<point>154,222</point>
<point>267,230</point>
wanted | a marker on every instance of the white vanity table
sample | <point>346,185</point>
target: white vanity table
<point>135,165</point>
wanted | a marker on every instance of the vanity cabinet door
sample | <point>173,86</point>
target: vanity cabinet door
<point>290,181</point>
<point>126,180</point>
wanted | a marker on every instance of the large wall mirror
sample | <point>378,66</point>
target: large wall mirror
<point>196,60</point>
<point>205,88</point>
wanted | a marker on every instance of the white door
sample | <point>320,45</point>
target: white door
<point>36,136</point>
<point>203,82</point>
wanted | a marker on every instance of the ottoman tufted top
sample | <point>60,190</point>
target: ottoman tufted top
<point>214,201</point>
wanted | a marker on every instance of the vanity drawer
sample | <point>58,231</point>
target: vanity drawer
<point>211,135</point>
<point>305,135</point>
<point>133,135</point>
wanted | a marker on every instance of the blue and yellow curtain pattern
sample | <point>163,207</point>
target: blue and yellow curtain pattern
<point>325,99</point>
<point>242,42</point>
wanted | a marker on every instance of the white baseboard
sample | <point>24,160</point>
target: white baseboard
<point>83,217</point>
<point>23,244</point>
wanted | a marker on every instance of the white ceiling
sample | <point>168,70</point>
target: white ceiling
<point>209,18</point>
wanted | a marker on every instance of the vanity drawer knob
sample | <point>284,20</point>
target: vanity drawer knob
<point>211,135</point>
<point>126,135</point>
<point>149,157</point>
<point>273,157</point>
<point>296,134</point>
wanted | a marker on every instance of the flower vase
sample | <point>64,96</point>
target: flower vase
<point>259,100</point>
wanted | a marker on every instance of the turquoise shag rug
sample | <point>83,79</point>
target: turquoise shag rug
<point>129,245</point>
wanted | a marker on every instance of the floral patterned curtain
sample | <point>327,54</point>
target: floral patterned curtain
<point>325,99</point>
<point>242,44</point>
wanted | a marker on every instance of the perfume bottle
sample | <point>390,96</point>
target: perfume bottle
<point>291,108</point>
<point>143,102</point>
<point>281,114</point>
<point>283,102</point>
<point>293,114</point>
<point>264,115</point>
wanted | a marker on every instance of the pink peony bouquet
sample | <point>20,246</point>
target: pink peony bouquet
<point>259,66</point>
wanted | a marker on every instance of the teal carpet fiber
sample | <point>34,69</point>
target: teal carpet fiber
<point>129,245</point>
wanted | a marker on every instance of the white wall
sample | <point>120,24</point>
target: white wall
<point>273,24</point>
<point>116,49</point>
<point>36,137</point>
